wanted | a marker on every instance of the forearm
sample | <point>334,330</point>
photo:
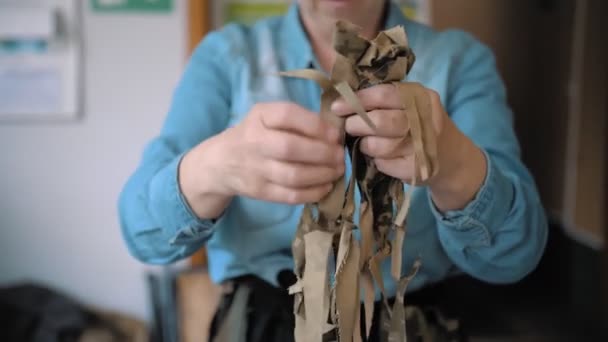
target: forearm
<point>461,172</point>
<point>499,236</point>
<point>201,179</point>
<point>156,222</point>
<point>490,223</point>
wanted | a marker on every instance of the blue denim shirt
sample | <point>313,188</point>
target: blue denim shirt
<point>499,237</point>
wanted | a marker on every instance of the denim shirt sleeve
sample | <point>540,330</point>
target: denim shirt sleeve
<point>158,225</point>
<point>500,236</point>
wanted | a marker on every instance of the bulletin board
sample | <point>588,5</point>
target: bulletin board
<point>40,60</point>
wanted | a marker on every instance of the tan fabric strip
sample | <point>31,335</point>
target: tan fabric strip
<point>397,331</point>
<point>416,132</point>
<point>423,105</point>
<point>343,71</point>
<point>405,205</point>
<point>310,74</point>
<point>366,221</point>
<point>300,329</point>
<point>297,246</point>
<point>374,267</point>
<point>398,197</point>
<point>347,285</point>
<point>397,34</point>
<point>346,288</point>
<point>357,333</point>
<point>396,253</point>
<point>349,204</point>
<point>351,98</point>
<point>315,283</point>
<point>368,303</point>
<point>400,227</point>
<point>299,312</point>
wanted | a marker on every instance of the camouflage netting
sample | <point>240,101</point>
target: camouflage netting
<point>327,306</point>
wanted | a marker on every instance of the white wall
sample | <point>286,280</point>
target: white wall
<point>59,182</point>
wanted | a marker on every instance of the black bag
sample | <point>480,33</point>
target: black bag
<point>34,313</point>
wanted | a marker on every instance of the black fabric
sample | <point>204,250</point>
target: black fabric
<point>271,319</point>
<point>270,311</point>
<point>32,313</point>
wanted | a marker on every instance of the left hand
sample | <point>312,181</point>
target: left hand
<point>462,165</point>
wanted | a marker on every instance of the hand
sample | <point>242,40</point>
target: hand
<point>462,166</point>
<point>280,152</point>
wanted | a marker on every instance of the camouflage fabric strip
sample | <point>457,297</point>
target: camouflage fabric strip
<point>346,286</point>
<point>397,332</point>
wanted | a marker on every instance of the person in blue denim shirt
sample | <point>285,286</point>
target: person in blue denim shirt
<point>241,150</point>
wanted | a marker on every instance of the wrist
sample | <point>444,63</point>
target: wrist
<point>200,179</point>
<point>461,173</point>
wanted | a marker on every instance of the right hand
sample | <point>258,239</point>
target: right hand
<point>281,153</point>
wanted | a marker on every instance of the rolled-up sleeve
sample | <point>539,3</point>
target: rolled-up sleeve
<point>157,224</point>
<point>500,236</point>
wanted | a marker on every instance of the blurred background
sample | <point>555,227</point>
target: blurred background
<point>85,84</point>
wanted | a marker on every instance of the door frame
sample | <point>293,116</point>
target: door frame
<point>199,24</point>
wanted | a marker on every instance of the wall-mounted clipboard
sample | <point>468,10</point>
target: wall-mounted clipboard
<point>40,60</point>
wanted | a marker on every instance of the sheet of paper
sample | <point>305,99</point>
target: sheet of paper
<point>29,87</point>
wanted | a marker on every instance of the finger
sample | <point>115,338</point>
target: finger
<point>383,96</point>
<point>389,123</point>
<point>289,147</point>
<point>281,194</point>
<point>380,147</point>
<point>296,175</point>
<point>400,168</point>
<point>297,119</point>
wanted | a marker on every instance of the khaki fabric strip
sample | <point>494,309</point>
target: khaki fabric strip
<point>416,132</point>
<point>396,253</point>
<point>357,333</point>
<point>310,74</point>
<point>366,221</point>
<point>397,332</point>
<point>374,267</point>
<point>368,302</point>
<point>351,98</point>
<point>423,105</point>
<point>315,283</point>
<point>347,286</point>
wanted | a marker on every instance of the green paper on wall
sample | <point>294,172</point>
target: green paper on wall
<point>157,6</point>
<point>245,12</point>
